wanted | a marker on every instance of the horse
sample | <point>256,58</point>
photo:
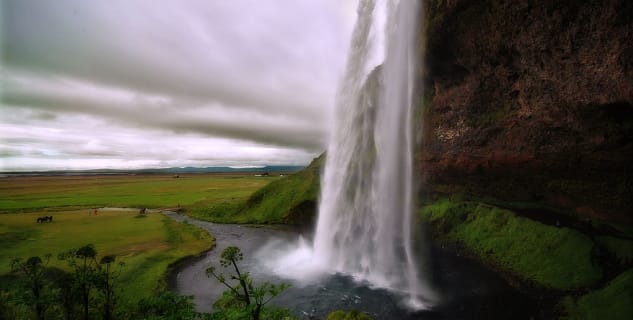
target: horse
<point>44,219</point>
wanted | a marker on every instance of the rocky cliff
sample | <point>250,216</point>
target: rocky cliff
<point>531,102</point>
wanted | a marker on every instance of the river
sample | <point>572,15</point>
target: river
<point>469,291</point>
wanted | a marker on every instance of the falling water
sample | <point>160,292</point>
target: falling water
<point>364,225</point>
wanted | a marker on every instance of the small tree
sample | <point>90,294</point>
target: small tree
<point>34,272</point>
<point>67,294</point>
<point>106,277</point>
<point>241,288</point>
<point>84,263</point>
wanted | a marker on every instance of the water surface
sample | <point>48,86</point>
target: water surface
<point>468,290</point>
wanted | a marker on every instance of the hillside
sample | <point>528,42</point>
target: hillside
<point>290,200</point>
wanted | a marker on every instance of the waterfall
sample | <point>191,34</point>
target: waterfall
<point>366,204</point>
<point>365,212</point>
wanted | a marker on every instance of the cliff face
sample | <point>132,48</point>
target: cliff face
<point>531,101</point>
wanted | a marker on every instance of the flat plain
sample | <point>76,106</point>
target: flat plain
<point>146,244</point>
<point>46,193</point>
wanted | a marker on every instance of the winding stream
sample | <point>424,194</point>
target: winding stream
<point>468,290</point>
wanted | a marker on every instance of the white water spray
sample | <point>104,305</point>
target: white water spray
<point>364,223</point>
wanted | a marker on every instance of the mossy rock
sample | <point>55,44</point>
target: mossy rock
<point>556,258</point>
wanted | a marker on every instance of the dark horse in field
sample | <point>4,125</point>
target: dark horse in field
<point>45,219</point>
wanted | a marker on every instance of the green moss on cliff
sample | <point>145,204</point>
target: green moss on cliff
<point>558,258</point>
<point>611,302</point>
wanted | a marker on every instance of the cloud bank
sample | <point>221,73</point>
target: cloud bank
<point>90,84</point>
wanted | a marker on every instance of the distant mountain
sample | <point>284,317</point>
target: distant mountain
<point>173,170</point>
<point>288,169</point>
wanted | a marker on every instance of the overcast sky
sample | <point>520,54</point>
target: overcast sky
<point>128,84</point>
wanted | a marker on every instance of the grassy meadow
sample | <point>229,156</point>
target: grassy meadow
<point>146,244</point>
<point>30,194</point>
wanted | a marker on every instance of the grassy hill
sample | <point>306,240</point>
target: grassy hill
<point>291,199</point>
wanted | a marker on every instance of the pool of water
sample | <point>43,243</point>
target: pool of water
<point>467,290</point>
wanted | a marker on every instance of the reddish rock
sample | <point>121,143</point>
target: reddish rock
<point>531,101</point>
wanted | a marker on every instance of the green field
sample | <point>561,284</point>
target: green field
<point>146,245</point>
<point>30,194</point>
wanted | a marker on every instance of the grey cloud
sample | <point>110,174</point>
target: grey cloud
<point>247,125</point>
<point>250,63</point>
<point>17,140</point>
<point>185,73</point>
<point>44,116</point>
<point>5,153</point>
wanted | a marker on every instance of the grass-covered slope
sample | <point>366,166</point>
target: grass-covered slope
<point>291,199</point>
<point>557,258</point>
<point>592,269</point>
